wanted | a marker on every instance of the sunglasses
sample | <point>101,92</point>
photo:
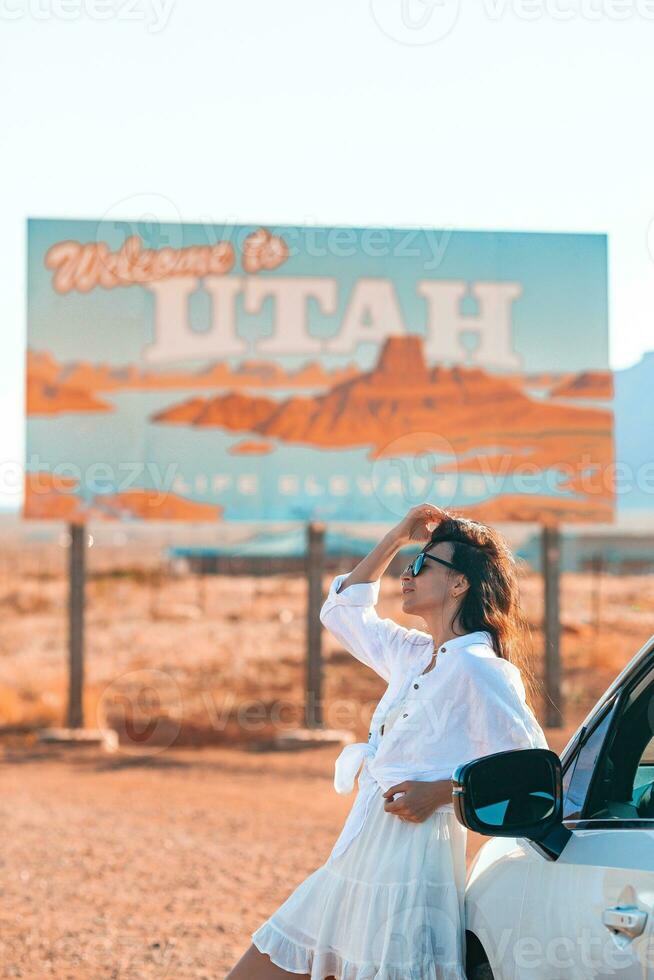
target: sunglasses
<point>417,563</point>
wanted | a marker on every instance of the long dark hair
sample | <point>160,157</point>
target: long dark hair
<point>492,602</point>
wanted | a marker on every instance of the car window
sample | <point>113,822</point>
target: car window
<point>648,754</point>
<point>578,775</point>
<point>643,783</point>
<point>622,787</point>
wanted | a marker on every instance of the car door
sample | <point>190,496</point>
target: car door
<point>588,915</point>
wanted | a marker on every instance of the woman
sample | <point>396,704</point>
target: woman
<point>388,902</point>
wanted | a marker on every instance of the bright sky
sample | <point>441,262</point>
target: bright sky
<point>521,115</point>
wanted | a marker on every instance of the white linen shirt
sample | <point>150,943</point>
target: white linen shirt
<point>470,704</point>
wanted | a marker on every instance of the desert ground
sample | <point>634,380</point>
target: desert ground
<point>159,859</point>
<point>159,866</point>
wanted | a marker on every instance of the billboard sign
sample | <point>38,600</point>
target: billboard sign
<point>245,373</point>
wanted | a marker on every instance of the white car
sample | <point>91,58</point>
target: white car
<point>565,890</point>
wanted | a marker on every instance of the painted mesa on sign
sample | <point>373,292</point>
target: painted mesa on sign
<point>401,398</point>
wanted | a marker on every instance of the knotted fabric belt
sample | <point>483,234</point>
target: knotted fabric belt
<point>348,763</point>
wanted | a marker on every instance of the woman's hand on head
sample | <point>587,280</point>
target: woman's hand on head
<point>419,523</point>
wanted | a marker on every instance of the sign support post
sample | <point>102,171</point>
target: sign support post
<point>315,536</point>
<point>551,566</point>
<point>76,576</point>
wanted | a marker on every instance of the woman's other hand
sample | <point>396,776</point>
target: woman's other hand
<point>418,799</point>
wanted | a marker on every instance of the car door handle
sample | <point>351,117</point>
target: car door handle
<point>628,920</point>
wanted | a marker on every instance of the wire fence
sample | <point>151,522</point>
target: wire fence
<point>228,630</point>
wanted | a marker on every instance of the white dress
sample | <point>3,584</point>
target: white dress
<point>389,908</point>
<point>388,903</point>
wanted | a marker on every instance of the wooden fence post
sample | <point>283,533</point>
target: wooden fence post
<point>76,577</point>
<point>313,715</point>
<point>551,564</point>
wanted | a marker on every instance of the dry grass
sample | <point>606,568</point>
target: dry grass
<point>211,646</point>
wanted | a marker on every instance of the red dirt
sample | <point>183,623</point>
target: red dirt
<point>161,863</point>
<point>158,867</point>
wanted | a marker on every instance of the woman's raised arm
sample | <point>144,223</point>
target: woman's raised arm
<point>414,528</point>
<point>349,611</point>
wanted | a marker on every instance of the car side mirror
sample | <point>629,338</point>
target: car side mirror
<point>510,794</point>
